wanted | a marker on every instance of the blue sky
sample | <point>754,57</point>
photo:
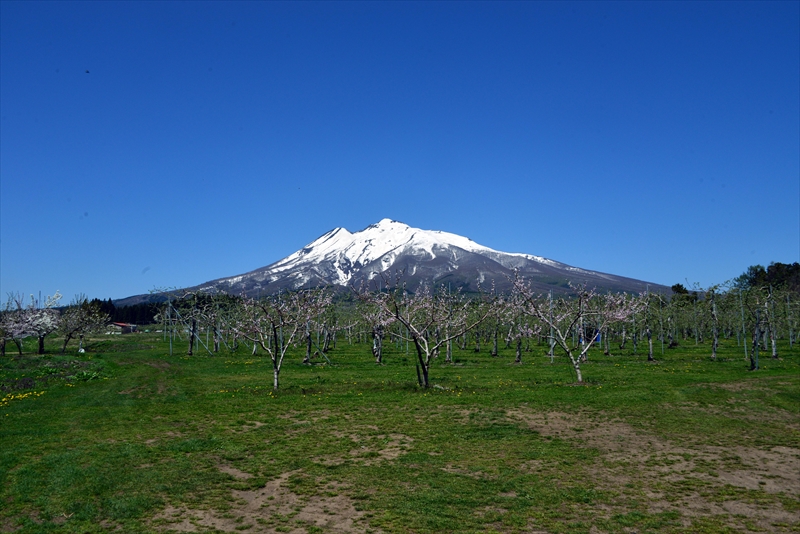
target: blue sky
<point>659,141</point>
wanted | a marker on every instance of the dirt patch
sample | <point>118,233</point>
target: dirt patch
<point>145,391</point>
<point>270,509</point>
<point>464,472</point>
<point>159,364</point>
<point>168,434</point>
<point>677,477</point>
<point>740,410</point>
<point>393,446</point>
<point>7,526</point>
<point>754,384</point>
<point>321,415</point>
<point>372,449</point>
<point>247,427</point>
<point>462,415</point>
<point>235,473</point>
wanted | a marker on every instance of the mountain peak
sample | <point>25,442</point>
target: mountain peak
<point>341,258</point>
<point>388,224</point>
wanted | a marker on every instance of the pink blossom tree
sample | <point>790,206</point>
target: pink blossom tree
<point>34,319</point>
<point>373,316</point>
<point>587,312</point>
<point>430,318</point>
<point>81,318</point>
<point>12,324</point>
<point>275,323</point>
<point>518,330</point>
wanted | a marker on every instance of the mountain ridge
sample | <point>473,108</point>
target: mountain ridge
<point>341,258</point>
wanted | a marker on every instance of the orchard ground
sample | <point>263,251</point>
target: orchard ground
<point>127,438</point>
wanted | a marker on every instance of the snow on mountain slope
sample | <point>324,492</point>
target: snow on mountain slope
<point>341,258</point>
<point>339,255</point>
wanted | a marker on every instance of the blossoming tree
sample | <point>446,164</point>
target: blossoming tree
<point>275,323</point>
<point>431,318</point>
<point>80,318</point>
<point>34,319</point>
<point>572,323</point>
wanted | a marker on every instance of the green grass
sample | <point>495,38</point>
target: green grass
<point>127,437</point>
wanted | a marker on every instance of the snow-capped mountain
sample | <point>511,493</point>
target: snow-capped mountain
<point>341,258</point>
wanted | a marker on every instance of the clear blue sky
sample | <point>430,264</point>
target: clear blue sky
<point>659,141</point>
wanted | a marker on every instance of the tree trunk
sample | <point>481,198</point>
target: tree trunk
<point>518,358</point>
<point>774,344</point>
<point>423,366</point>
<point>66,340</point>
<point>576,364</point>
<point>41,344</point>
<point>275,373</point>
<point>756,341</point>
<point>772,325</point>
<point>744,327</point>
<point>192,335</point>
<point>494,343</point>
<point>307,359</point>
<point>650,345</point>
<point>326,340</point>
<point>584,356</point>
<point>377,344</point>
<point>715,329</point>
<point>715,344</point>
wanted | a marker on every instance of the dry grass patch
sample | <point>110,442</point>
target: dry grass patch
<point>477,475</point>
<point>739,484</point>
<point>270,509</point>
<point>372,449</point>
<point>235,473</point>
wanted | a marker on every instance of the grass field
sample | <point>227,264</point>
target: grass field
<point>127,438</point>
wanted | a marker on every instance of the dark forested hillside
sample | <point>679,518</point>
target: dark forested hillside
<point>777,275</point>
<point>137,313</point>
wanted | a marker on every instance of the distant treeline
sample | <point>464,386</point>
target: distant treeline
<point>137,314</point>
<point>777,275</point>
